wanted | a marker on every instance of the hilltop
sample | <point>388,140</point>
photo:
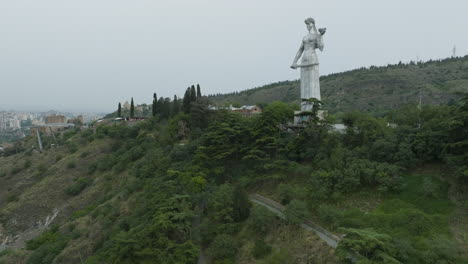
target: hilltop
<point>375,89</point>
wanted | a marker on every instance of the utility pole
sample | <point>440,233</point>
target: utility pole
<point>420,99</point>
<point>39,141</point>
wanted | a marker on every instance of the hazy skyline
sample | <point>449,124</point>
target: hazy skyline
<point>89,55</point>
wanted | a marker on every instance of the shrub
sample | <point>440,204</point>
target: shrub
<point>260,220</point>
<point>295,212</point>
<point>330,215</point>
<point>261,249</point>
<point>27,164</point>
<point>16,169</point>
<point>224,247</point>
<point>367,246</point>
<point>28,153</point>
<point>414,221</point>
<point>77,187</point>
<point>58,158</point>
<point>278,257</point>
<point>288,192</point>
<point>12,198</point>
<point>285,192</point>
<point>429,188</point>
<point>84,154</point>
<point>71,165</point>
<point>41,169</point>
<point>87,135</point>
<point>48,249</point>
<point>83,212</point>
<point>47,236</point>
<point>72,148</point>
<point>92,168</point>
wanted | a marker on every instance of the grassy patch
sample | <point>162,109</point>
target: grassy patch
<point>83,212</point>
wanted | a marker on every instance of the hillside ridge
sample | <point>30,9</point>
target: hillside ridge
<point>375,89</point>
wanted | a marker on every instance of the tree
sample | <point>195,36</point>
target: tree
<point>224,247</point>
<point>457,147</point>
<point>260,220</point>
<point>223,145</point>
<point>175,106</point>
<point>267,132</point>
<point>132,109</point>
<point>164,105</point>
<point>295,212</point>
<point>198,91</point>
<point>193,94</point>
<point>221,204</point>
<point>155,104</point>
<point>241,204</point>
<point>199,113</point>
<point>186,101</point>
<point>119,110</point>
<point>166,108</point>
<point>366,246</point>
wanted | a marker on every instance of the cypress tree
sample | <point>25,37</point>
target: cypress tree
<point>160,107</point>
<point>175,105</point>
<point>186,101</point>
<point>241,204</point>
<point>167,107</point>
<point>132,109</point>
<point>193,94</point>
<point>155,102</point>
<point>119,111</point>
<point>198,91</point>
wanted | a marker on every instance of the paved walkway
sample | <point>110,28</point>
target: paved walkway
<point>278,209</point>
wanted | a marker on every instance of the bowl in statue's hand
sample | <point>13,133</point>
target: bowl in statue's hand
<point>322,31</point>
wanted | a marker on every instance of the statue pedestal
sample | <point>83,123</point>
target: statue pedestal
<point>303,117</point>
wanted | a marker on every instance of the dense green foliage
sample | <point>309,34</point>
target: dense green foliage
<point>178,184</point>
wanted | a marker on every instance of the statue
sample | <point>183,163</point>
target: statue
<point>310,84</point>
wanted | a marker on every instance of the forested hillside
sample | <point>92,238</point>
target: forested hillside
<point>374,89</point>
<point>174,189</point>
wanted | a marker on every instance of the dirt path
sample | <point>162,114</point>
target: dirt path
<point>278,209</point>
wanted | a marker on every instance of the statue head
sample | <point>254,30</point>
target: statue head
<point>310,22</point>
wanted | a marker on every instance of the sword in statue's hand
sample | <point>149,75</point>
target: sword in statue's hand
<point>295,66</point>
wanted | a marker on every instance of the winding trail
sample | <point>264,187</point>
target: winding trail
<point>329,238</point>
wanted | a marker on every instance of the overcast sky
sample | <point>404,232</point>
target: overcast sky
<point>74,55</point>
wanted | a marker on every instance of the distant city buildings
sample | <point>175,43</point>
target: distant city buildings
<point>54,119</point>
<point>12,120</point>
<point>15,124</point>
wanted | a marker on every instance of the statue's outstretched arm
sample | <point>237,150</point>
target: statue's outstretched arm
<point>298,55</point>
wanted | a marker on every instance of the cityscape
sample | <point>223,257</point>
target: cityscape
<point>15,125</point>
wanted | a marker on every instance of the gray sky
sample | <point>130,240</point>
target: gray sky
<point>91,54</point>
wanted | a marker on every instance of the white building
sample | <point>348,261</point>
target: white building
<point>14,124</point>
